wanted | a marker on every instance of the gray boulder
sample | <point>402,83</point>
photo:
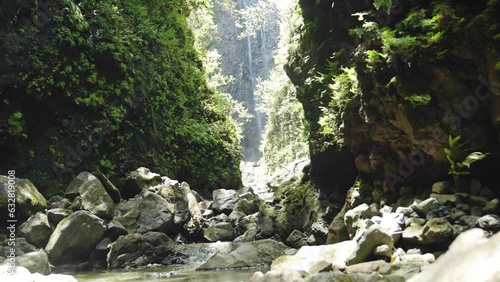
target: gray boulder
<point>489,222</point>
<point>309,257</point>
<point>249,254</point>
<point>248,236</point>
<point>247,206</point>
<point>34,262</point>
<point>141,178</point>
<point>115,230</point>
<point>471,257</point>
<point>56,215</point>
<point>296,239</point>
<point>437,230</point>
<point>424,207</point>
<point>413,233</point>
<point>146,212</point>
<point>74,238</point>
<point>28,200</point>
<point>468,221</point>
<point>36,230</point>
<point>94,196</point>
<point>320,231</point>
<point>374,236</point>
<point>113,192</point>
<point>183,203</point>
<point>175,194</point>
<point>63,203</point>
<point>224,200</point>
<point>222,231</point>
<point>135,250</point>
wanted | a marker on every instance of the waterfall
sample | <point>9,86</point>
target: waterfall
<point>253,85</point>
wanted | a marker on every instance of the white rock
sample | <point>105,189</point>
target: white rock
<point>471,257</point>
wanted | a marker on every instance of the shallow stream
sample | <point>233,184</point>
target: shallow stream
<point>167,274</point>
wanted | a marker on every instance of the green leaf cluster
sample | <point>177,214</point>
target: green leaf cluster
<point>344,88</point>
<point>417,100</point>
<point>460,165</point>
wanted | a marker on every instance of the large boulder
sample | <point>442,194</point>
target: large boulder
<point>426,206</point>
<point>222,231</point>
<point>296,239</point>
<point>183,203</point>
<point>489,222</point>
<point>471,257</point>
<point>34,262</point>
<point>309,257</point>
<point>224,200</point>
<point>74,238</point>
<point>113,192</point>
<point>36,230</point>
<point>28,200</point>
<point>175,195</point>
<point>437,231</point>
<point>248,254</point>
<point>56,215</point>
<point>146,212</point>
<point>94,196</point>
<point>337,230</point>
<point>248,206</point>
<point>135,250</point>
<point>195,223</point>
<point>374,236</point>
<point>141,178</point>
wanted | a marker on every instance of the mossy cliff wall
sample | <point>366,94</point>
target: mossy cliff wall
<point>108,85</point>
<point>384,83</point>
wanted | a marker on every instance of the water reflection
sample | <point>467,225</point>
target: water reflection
<point>167,274</point>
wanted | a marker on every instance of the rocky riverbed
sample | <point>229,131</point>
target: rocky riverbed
<point>153,222</point>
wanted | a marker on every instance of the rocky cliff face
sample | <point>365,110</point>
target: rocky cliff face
<point>102,85</point>
<point>384,83</point>
<point>247,58</point>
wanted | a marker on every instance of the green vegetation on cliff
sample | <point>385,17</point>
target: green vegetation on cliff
<point>109,85</point>
<point>385,82</point>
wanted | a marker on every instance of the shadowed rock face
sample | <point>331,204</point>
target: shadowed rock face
<point>383,123</point>
<point>135,250</point>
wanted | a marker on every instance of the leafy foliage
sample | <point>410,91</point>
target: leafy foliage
<point>119,85</point>
<point>344,89</point>
<point>383,4</point>
<point>454,153</point>
<point>419,99</point>
<point>285,139</point>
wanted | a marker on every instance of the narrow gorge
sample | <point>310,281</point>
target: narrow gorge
<point>250,140</point>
